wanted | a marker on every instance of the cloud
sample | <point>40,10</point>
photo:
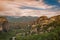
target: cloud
<point>59,1</point>
<point>33,8</point>
<point>27,8</point>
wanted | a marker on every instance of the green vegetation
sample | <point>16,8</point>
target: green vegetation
<point>6,35</point>
<point>53,35</point>
<point>50,29</point>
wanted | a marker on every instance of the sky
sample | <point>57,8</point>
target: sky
<point>29,7</point>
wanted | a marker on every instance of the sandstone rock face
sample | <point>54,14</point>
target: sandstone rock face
<point>3,24</point>
<point>46,24</point>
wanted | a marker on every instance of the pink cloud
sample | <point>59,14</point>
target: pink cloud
<point>12,8</point>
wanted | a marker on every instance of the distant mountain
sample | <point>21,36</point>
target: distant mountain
<point>21,19</point>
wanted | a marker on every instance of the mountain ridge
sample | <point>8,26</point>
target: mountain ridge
<point>21,19</point>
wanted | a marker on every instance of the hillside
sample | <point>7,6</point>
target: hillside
<point>41,28</point>
<point>45,24</point>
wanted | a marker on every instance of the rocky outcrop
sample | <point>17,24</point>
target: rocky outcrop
<point>3,24</point>
<point>45,24</point>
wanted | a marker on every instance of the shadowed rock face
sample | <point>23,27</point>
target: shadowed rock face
<point>3,24</point>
